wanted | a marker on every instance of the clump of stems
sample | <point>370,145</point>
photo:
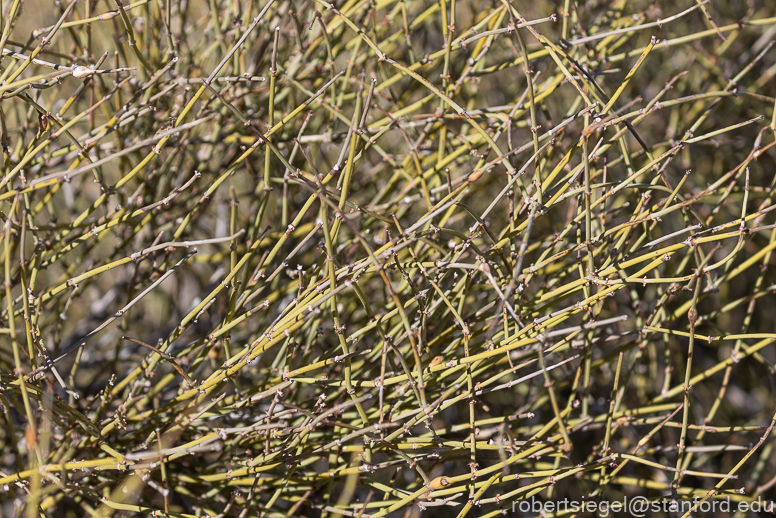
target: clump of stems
<point>299,258</point>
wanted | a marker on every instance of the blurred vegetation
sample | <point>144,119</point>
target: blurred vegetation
<point>294,258</point>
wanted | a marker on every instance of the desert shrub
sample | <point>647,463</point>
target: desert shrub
<point>294,258</point>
